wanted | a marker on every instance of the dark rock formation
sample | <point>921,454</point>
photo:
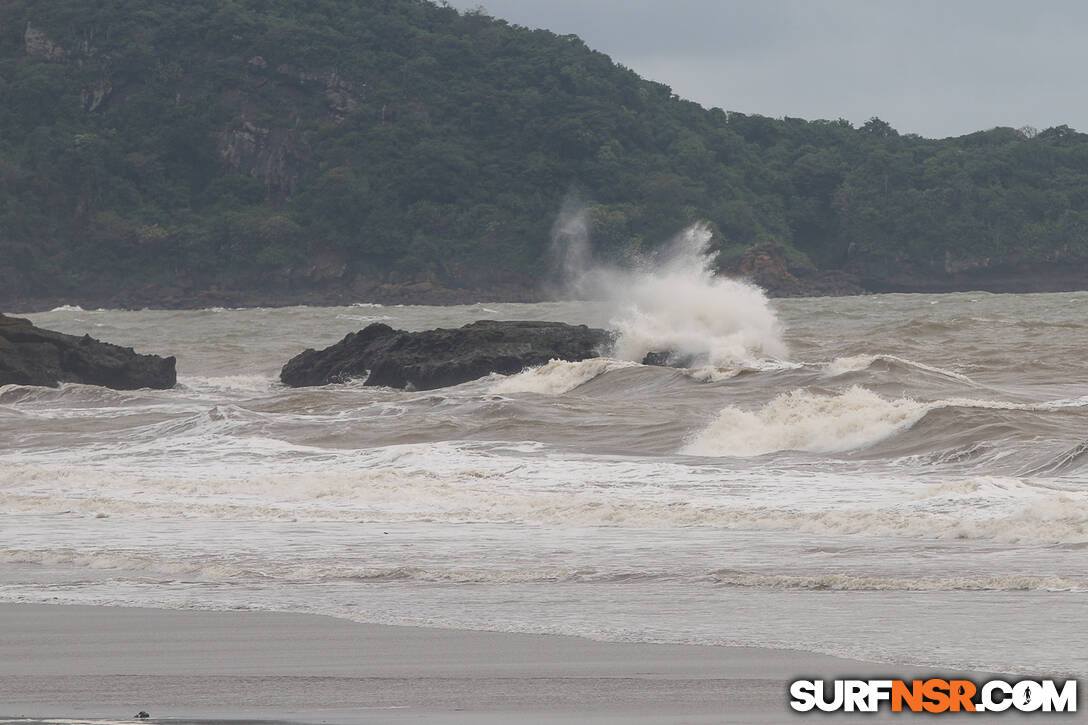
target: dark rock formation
<point>670,359</point>
<point>40,45</point>
<point>437,358</point>
<point>276,156</point>
<point>30,355</point>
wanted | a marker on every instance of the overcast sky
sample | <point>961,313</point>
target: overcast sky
<point>933,67</point>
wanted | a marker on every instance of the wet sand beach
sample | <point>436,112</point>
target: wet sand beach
<point>108,663</point>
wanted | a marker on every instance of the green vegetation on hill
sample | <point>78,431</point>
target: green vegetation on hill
<point>290,145</point>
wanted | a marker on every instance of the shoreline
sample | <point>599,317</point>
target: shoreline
<point>32,306</point>
<point>773,277</point>
<point>111,662</point>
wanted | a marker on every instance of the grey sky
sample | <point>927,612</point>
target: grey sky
<point>933,67</point>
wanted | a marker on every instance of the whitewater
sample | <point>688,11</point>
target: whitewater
<point>894,478</point>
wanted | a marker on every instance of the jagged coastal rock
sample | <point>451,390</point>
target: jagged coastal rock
<point>30,355</point>
<point>437,358</point>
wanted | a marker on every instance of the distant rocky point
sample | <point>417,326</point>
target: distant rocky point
<point>30,355</point>
<point>373,151</point>
<point>441,357</point>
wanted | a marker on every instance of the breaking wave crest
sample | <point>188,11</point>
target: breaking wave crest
<point>804,421</point>
<point>557,376</point>
<point>857,363</point>
<point>1067,461</point>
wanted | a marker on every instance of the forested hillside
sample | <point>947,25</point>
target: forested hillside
<point>155,152</point>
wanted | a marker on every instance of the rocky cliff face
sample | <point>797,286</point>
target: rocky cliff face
<point>340,95</point>
<point>40,45</point>
<point>277,157</point>
<point>274,154</point>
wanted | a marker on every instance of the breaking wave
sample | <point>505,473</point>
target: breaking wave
<point>680,305</point>
<point>673,302</point>
<point>217,568</point>
<point>857,363</point>
<point>557,376</point>
<point>477,491</point>
<point>803,421</point>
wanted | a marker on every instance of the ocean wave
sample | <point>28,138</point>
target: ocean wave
<point>984,508</point>
<point>218,568</point>
<point>857,363</point>
<point>557,376</point>
<point>1071,459</point>
<point>124,561</point>
<point>78,399</point>
<point>210,567</point>
<point>712,374</point>
<point>804,421</point>
<point>858,582</point>
<point>801,420</point>
<point>1045,406</point>
<point>715,374</point>
<point>365,318</point>
<point>255,384</point>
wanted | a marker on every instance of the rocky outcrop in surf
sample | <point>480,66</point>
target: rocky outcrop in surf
<point>30,355</point>
<point>442,357</point>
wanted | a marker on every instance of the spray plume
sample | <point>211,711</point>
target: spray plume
<point>671,303</point>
